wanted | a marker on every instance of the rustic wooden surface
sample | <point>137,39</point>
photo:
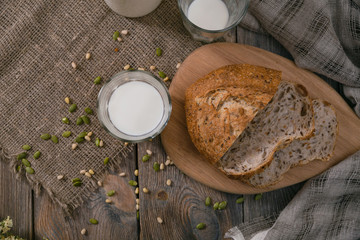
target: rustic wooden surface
<point>181,205</point>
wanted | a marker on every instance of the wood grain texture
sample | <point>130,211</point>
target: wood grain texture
<point>181,205</point>
<point>16,201</point>
<point>207,58</point>
<point>116,220</point>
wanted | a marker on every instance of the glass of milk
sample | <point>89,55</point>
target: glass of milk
<point>133,8</point>
<point>134,106</point>
<point>209,20</point>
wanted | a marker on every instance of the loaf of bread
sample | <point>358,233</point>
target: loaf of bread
<point>220,105</point>
<point>288,116</point>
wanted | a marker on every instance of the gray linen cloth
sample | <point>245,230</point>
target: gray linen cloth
<point>323,36</point>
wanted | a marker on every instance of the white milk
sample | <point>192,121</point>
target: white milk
<point>135,108</point>
<point>208,14</point>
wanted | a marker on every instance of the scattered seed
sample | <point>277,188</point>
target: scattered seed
<point>26,147</point>
<point>93,221</point>
<point>119,39</point>
<point>73,64</point>
<point>156,166</point>
<point>108,200</point>
<point>168,182</point>
<point>82,134</point>
<point>137,201</point>
<point>133,183</point>
<point>141,69</point>
<point>122,174</point>
<point>207,201</point>
<point>99,183</point>
<point>83,231</point>
<point>54,139</point>
<point>90,134</point>
<point>60,177</point>
<point>167,162</point>
<point>65,120</point>
<point>88,110</point>
<point>87,138</point>
<point>97,80</point>
<point>21,155</point>
<point>240,200</point>
<point>127,67</point>
<point>25,162</point>
<point>145,190</point>
<point>87,56</point>
<point>166,79</point>
<point>178,65</point>
<point>66,134</point>
<point>45,136</point>
<point>159,220</point>
<point>37,154</point>
<point>116,50</point>
<point>146,157</point>
<point>83,171</point>
<point>152,68</point>
<point>136,172</point>
<point>97,142</point>
<point>88,175</point>
<point>101,143</point>
<point>137,206</point>
<point>162,166</point>
<point>124,32</point>
<point>258,196</point>
<point>18,168</point>
<point>29,170</point>
<point>201,226</point>
<point>72,107</point>
<point>162,74</point>
<point>137,190</point>
<point>67,100</point>
<point>116,35</point>
<point>126,143</point>
<point>85,119</point>
<point>75,180</point>
<point>216,205</point>
<point>77,184</point>
<point>110,193</point>
<point>79,139</point>
<point>222,205</point>
<point>91,172</point>
<point>158,52</point>
<point>73,146</point>
<point>106,160</point>
<point>149,152</point>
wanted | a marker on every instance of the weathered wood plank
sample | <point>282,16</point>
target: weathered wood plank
<point>116,220</point>
<point>16,201</point>
<point>181,205</point>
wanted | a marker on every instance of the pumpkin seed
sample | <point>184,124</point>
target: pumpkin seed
<point>37,154</point>
<point>26,147</point>
<point>79,121</point>
<point>77,184</point>
<point>116,35</point>
<point>88,110</point>
<point>158,52</point>
<point>45,136</point>
<point>97,80</point>
<point>97,142</point>
<point>110,193</point>
<point>54,139</point>
<point>29,170</point>
<point>222,205</point>
<point>82,134</point>
<point>240,200</point>
<point>207,201</point>
<point>258,196</point>
<point>65,120</point>
<point>74,180</point>
<point>66,134</point>
<point>85,119</point>
<point>156,166</point>
<point>72,107</point>
<point>106,160</point>
<point>146,157</point>
<point>216,205</point>
<point>25,162</point>
<point>93,221</point>
<point>201,226</point>
<point>133,183</point>
<point>162,74</point>
<point>18,168</point>
<point>79,139</point>
<point>21,155</point>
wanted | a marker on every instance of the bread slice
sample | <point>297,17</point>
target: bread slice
<point>219,105</point>
<point>288,116</point>
<point>320,146</point>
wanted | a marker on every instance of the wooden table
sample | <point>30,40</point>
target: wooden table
<point>181,205</point>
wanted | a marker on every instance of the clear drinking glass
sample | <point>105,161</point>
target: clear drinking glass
<point>236,8</point>
<point>124,77</point>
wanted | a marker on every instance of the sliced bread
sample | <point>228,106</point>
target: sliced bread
<point>319,146</point>
<point>288,116</point>
<point>219,105</point>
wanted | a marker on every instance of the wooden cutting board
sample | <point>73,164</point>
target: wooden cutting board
<point>181,150</point>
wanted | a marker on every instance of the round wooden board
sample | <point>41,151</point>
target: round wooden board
<point>203,60</point>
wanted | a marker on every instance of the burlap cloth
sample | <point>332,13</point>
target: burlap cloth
<point>38,41</point>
